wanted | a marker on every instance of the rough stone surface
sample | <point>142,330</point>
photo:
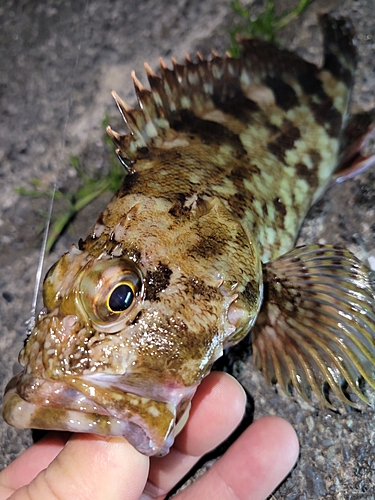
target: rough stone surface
<point>59,60</point>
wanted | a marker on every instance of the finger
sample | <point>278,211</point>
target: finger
<point>217,409</point>
<point>93,468</point>
<point>31,462</point>
<point>252,467</point>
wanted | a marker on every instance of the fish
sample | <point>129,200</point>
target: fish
<point>197,250</point>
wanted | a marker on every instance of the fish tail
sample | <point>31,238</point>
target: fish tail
<point>340,54</point>
<point>357,146</point>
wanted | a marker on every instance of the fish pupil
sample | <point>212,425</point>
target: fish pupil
<point>121,298</point>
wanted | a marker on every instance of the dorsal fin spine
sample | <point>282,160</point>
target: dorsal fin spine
<point>150,127</point>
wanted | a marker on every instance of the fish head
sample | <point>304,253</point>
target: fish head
<point>125,336</point>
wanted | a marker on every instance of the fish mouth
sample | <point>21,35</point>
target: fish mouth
<point>92,404</point>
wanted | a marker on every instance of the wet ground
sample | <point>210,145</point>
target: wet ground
<point>59,61</point>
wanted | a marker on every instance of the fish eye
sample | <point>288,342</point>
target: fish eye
<point>111,293</point>
<point>121,297</point>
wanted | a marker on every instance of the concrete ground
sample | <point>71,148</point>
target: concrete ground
<point>59,61</point>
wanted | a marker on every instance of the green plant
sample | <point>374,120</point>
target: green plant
<point>265,25</point>
<point>90,189</point>
<point>91,186</point>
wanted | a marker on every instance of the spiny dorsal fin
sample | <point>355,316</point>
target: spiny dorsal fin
<point>204,86</point>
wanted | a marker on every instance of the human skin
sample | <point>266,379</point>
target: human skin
<point>87,467</point>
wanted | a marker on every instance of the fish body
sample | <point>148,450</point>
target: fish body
<point>224,159</point>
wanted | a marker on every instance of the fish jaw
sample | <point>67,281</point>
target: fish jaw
<point>92,405</point>
<point>80,380</point>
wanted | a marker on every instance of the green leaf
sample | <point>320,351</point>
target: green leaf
<point>265,25</point>
<point>90,187</point>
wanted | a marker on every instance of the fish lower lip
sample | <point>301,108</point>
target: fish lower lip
<point>78,406</point>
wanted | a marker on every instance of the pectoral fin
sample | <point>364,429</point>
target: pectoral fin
<point>317,324</point>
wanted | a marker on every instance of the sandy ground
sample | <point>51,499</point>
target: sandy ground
<point>59,61</point>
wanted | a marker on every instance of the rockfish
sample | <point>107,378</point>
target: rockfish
<point>224,158</point>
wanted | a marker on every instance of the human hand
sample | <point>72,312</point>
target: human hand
<point>89,467</point>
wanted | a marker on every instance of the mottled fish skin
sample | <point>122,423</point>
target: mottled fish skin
<point>264,137</point>
<point>224,159</point>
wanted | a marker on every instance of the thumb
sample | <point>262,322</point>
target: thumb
<point>93,468</point>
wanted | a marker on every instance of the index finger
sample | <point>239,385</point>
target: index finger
<point>252,467</point>
<point>217,409</point>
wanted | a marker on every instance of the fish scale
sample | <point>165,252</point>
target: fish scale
<point>224,158</point>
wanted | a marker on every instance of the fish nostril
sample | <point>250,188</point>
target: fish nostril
<point>69,321</point>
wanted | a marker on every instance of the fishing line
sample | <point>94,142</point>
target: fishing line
<point>38,277</point>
